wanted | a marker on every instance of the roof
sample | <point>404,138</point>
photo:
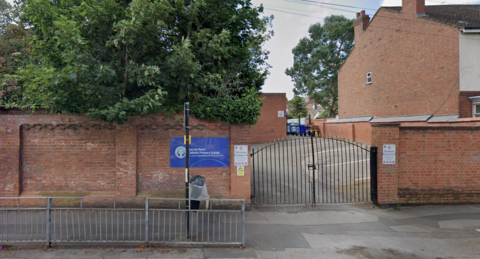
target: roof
<point>460,16</point>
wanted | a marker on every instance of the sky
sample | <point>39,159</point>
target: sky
<point>291,23</point>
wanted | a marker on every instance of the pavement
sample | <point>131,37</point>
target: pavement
<point>324,231</point>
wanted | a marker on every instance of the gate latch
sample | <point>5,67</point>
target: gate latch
<point>312,166</point>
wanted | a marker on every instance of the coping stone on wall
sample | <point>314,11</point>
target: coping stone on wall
<point>444,118</point>
<point>403,118</point>
<point>355,119</point>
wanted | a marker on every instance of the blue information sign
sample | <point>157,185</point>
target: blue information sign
<point>204,152</point>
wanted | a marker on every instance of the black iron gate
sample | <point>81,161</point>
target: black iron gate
<point>310,170</point>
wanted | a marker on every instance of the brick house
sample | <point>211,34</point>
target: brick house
<point>413,60</point>
<point>413,81</point>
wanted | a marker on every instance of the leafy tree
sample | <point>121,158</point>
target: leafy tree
<point>297,107</point>
<point>112,59</point>
<point>318,58</point>
<point>14,49</point>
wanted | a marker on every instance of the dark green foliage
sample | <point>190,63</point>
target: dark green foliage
<point>113,59</point>
<point>297,107</point>
<point>318,59</point>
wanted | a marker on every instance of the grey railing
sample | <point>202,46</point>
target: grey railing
<point>141,220</point>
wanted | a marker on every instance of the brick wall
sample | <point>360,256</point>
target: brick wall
<point>434,164</point>
<point>51,153</point>
<point>465,104</point>
<point>414,64</point>
<point>269,126</point>
<point>358,131</point>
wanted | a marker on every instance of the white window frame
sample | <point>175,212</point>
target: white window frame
<point>475,101</point>
<point>475,115</point>
<point>368,75</point>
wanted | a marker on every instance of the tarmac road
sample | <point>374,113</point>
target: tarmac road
<point>326,231</point>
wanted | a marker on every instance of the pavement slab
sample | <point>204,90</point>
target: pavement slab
<point>324,231</point>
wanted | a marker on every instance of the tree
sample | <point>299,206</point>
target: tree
<point>14,48</point>
<point>318,58</point>
<point>113,59</point>
<point>297,107</point>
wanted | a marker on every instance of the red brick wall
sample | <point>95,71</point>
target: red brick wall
<point>434,164</point>
<point>154,172</point>
<point>439,164</point>
<point>269,126</point>
<point>465,104</point>
<point>414,64</point>
<point>358,131</point>
<point>59,159</point>
<point>45,152</point>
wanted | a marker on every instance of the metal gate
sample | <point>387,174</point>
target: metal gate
<point>310,170</point>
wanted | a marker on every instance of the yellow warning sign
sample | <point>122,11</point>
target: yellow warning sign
<point>240,170</point>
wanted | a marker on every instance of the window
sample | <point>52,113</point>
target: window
<point>475,106</point>
<point>476,110</point>
<point>369,78</point>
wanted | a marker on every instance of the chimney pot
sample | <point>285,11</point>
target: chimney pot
<point>363,12</point>
<point>358,15</point>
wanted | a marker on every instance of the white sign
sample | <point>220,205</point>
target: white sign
<point>389,149</point>
<point>388,159</point>
<point>241,160</point>
<point>281,114</point>
<point>240,170</point>
<point>241,150</point>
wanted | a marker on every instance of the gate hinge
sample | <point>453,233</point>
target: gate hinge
<point>312,166</point>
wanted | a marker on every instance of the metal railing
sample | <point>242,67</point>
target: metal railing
<point>141,220</point>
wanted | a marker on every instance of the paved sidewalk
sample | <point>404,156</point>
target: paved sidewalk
<point>326,231</point>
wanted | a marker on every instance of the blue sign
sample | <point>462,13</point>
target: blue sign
<point>204,152</point>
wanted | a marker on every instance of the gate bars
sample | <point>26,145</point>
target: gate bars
<point>310,170</point>
<point>141,220</point>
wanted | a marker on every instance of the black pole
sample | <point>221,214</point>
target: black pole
<point>373,175</point>
<point>313,168</point>
<point>299,126</point>
<point>187,162</point>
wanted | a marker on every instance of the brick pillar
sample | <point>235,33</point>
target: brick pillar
<point>9,157</point>
<point>239,185</point>
<point>126,165</point>
<point>384,134</point>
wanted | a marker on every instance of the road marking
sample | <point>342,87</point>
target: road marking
<point>348,162</point>
<point>364,178</point>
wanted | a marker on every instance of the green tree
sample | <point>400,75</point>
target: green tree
<point>318,58</point>
<point>113,59</point>
<point>297,107</point>
<point>14,49</point>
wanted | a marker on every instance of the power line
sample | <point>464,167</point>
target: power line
<point>340,5</point>
<point>293,13</point>
<point>338,9</point>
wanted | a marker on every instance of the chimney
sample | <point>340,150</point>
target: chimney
<point>414,7</point>
<point>361,23</point>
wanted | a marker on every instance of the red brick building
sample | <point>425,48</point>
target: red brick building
<point>413,81</point>
<point>413,60</point>
<point>271,126</point>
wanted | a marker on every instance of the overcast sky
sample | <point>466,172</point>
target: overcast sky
<point>291,23</point>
